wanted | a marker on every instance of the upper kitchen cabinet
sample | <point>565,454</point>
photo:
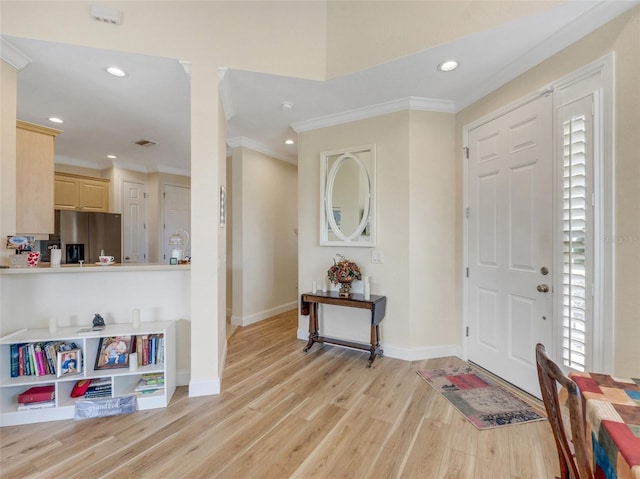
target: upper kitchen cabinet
<point>34,178</point>
<point>81,193</point>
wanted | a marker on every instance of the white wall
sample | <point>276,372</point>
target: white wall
<point>28,299</point>
<point>265,261</point>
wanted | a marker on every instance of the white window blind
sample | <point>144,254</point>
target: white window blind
<point>576,228</point>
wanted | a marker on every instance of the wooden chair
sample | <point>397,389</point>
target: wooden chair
<point>574,461</point>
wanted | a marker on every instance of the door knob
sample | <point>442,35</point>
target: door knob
<point>543,288</point>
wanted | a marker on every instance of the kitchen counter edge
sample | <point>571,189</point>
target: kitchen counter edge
<point>94,268</point>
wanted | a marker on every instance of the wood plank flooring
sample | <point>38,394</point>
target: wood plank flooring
<point>287,414</point>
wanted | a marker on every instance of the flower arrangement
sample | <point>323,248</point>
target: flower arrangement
<point>343,271</point>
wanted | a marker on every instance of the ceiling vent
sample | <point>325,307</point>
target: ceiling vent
<point>109,15</point>
<point>145,143</point>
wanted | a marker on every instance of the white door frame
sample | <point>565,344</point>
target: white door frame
<point>604,271</point>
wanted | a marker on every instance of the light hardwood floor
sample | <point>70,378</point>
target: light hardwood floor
<point>287,414</point>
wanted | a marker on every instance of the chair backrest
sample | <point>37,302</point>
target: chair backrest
<point>550,375</point>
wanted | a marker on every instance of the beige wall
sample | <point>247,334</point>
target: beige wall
<point>415,170</point>
<point>377,32</point>
<point>621,36</point>
<point>265,210</point>
<point>8,77</point>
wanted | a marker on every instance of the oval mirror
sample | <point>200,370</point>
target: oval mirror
<point>347,198</point>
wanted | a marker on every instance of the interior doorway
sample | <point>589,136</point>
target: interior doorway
<point>176,213</point>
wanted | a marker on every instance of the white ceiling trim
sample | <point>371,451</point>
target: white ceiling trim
<point>12,55</point>
<point>173,171</point>
<point>260,148</point>
<point>105,164</point>
<point>94,165</point>
<point>408,103</point>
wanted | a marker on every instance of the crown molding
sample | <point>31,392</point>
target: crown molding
<point>173,171</point>
<point>105,164</point>
<point>14,57</point>
<point>93,165</point>
<point>402,104</point>
<point>259,147</point>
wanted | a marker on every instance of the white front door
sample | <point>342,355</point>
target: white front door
<point>510,242</point>
<point>134,218</point>
<point>177,216</point>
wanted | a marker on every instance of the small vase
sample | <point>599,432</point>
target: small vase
<point>345,288</point>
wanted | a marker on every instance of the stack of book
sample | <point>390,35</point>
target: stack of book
<point>92,388</point>
<point>37,397</point>
<point>150,383</point>
<point>98,388</point>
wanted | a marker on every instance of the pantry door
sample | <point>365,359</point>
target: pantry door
<point>510,242</point>
<point>134,219</point>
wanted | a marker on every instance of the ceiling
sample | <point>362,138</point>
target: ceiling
<point>106,115</point>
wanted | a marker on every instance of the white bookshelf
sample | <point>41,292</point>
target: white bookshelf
<point>123,380</point>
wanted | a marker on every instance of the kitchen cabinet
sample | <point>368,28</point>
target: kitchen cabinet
<point>34,178</point>
<point>81,193</point>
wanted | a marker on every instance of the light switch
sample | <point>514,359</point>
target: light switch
<point>377,256</point>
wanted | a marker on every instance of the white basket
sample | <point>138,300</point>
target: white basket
<point>18,261</point>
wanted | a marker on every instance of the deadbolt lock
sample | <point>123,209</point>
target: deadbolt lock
<point>544,271</point>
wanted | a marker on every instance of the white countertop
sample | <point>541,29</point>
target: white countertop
<point>93,268</point>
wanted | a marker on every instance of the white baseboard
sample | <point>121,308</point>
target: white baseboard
<point>257,317</point>
<point>202,388</point>
<point>208,387</point>
<point>182,377</point>
<point>408,354</point>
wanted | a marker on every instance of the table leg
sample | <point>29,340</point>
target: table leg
<point>313,326</point>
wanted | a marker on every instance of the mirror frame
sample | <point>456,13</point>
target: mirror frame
<point>327,179</point>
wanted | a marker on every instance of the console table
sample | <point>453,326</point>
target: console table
<point>376,304</point>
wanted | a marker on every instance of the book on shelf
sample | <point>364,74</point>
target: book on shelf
<point>15,360</point>
<point>150,349</point>
<point>36,405</point>
<point>37,394</point>
<point>97,394</point>
<point>80,388</point>
<point>150,382</point>
<point>99,388</point>
<point>36,359</point>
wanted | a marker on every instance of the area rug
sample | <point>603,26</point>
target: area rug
<point>484,402</point>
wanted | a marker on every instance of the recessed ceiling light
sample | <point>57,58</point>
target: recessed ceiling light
<point>116,72</point>
<point>55,119</point>
<point>448,66</point>
<point>289,142</point>
<point>112,157</point>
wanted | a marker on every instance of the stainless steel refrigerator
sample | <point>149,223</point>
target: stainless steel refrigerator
<point>84,235</point>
